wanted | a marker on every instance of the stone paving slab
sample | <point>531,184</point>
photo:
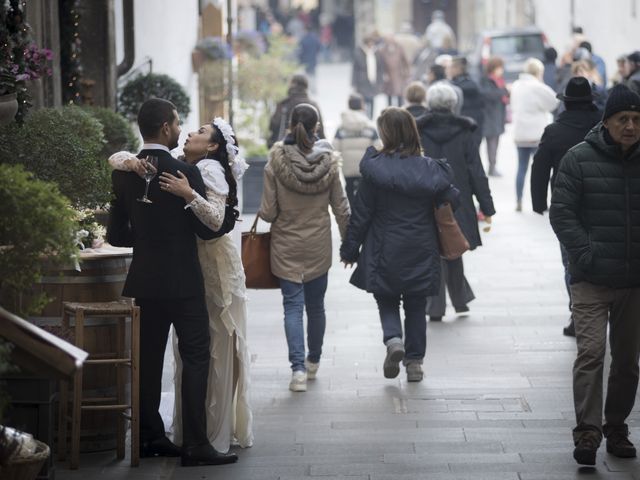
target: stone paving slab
<point>378,469</point>
<point>590,474</point>
<point>328,449</point>
<point>448,476</point>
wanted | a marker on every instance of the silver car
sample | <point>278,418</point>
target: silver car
<point>513,45</point>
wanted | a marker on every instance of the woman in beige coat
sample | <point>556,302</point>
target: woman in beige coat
<point>301,180</point>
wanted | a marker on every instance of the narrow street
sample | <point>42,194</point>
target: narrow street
<point>496,401</point>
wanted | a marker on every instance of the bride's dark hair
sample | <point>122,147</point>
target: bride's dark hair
<point>222,156</point>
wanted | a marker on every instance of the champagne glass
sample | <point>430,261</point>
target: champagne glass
<point>151,170</point>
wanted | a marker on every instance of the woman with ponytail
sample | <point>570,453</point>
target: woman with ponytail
<point>301,180</point>
<point>214,150</point>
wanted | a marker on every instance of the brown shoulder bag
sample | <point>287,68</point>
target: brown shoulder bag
<point>451,240</point>
<point>256,259</point>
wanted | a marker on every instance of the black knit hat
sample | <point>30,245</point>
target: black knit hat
<point>621,99</point>
<point>577,90</point>
<point>634,56</point>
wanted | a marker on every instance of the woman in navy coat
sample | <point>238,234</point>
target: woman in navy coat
<point>393,221</point>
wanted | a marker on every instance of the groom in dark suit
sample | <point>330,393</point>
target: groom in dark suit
<point>166,281</point>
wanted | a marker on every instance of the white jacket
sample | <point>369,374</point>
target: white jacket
<point>354,135</point>
<point>531,103</point>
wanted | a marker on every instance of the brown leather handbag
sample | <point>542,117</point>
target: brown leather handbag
<point>256,259</point>
<point>451,240</point>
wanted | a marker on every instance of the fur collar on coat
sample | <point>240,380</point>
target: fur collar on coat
<point>308,174</point>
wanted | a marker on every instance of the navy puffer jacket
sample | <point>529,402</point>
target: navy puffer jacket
<point>392,219</point>
<point>595,211</point>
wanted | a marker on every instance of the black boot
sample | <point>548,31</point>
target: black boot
<point>569,330</point>
<point>160,447</point>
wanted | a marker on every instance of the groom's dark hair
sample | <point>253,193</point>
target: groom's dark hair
<point>153,114</point>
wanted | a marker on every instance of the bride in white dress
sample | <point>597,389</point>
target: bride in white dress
<point>214,150</point>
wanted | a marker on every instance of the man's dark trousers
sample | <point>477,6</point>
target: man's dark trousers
<point>190,320</point>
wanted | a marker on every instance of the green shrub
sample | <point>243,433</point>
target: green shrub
<point>64,146</point>
<point>144,87</point>
<point>262,81</point>
<point>118,133</point>
<point>36,222</point>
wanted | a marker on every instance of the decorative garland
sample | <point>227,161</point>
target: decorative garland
<point>70,51</point>
<point>17,39</point>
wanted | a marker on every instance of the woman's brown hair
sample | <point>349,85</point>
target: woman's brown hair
<point>398,132</point>
<point>415,93</point>
<point>304,120</point>
<point>493,64</point>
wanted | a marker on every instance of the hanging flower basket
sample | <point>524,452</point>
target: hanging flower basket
<point>8,108</point>
<point>209,49</point>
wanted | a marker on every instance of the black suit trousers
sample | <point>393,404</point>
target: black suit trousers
<point>191,322</point>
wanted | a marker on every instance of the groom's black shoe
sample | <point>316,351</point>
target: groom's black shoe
<point>160,447</point>
<point>205,455</point>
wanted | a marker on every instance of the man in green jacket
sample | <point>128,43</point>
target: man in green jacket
<point>595,212</point>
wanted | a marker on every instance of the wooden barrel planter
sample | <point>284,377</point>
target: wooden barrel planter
<point>100,279</point>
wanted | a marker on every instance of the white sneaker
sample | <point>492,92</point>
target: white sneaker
<point>312,369</point>
<point>298,381</point>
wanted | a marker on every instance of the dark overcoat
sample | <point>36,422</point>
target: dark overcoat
<point>449,136</point>
<point>359,78</point>
<point>472,99</point>
<point>495,110</point>
<point>279,122</point>
<point>416,110</point>
<point>568,130</point>
<point>392,219</point>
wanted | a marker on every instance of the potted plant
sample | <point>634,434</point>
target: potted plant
<point>144,87</point>
<point>65,146</point>
<point>118,134</point>
<point>262,81</point>
<point>36,222</point>
<point>248,42</point>
<point>209,49</point>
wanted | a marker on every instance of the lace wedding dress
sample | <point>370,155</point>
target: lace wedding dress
<point>229,416</point>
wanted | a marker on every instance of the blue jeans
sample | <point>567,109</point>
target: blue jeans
<point>295,298</point>
<point>415,322</point>
<point>524,155</point>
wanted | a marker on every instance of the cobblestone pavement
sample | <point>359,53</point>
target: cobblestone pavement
<point>495,403</point>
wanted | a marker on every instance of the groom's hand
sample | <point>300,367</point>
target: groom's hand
<point>141,166</point>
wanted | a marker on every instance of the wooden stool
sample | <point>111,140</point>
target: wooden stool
<point>120,311</point>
